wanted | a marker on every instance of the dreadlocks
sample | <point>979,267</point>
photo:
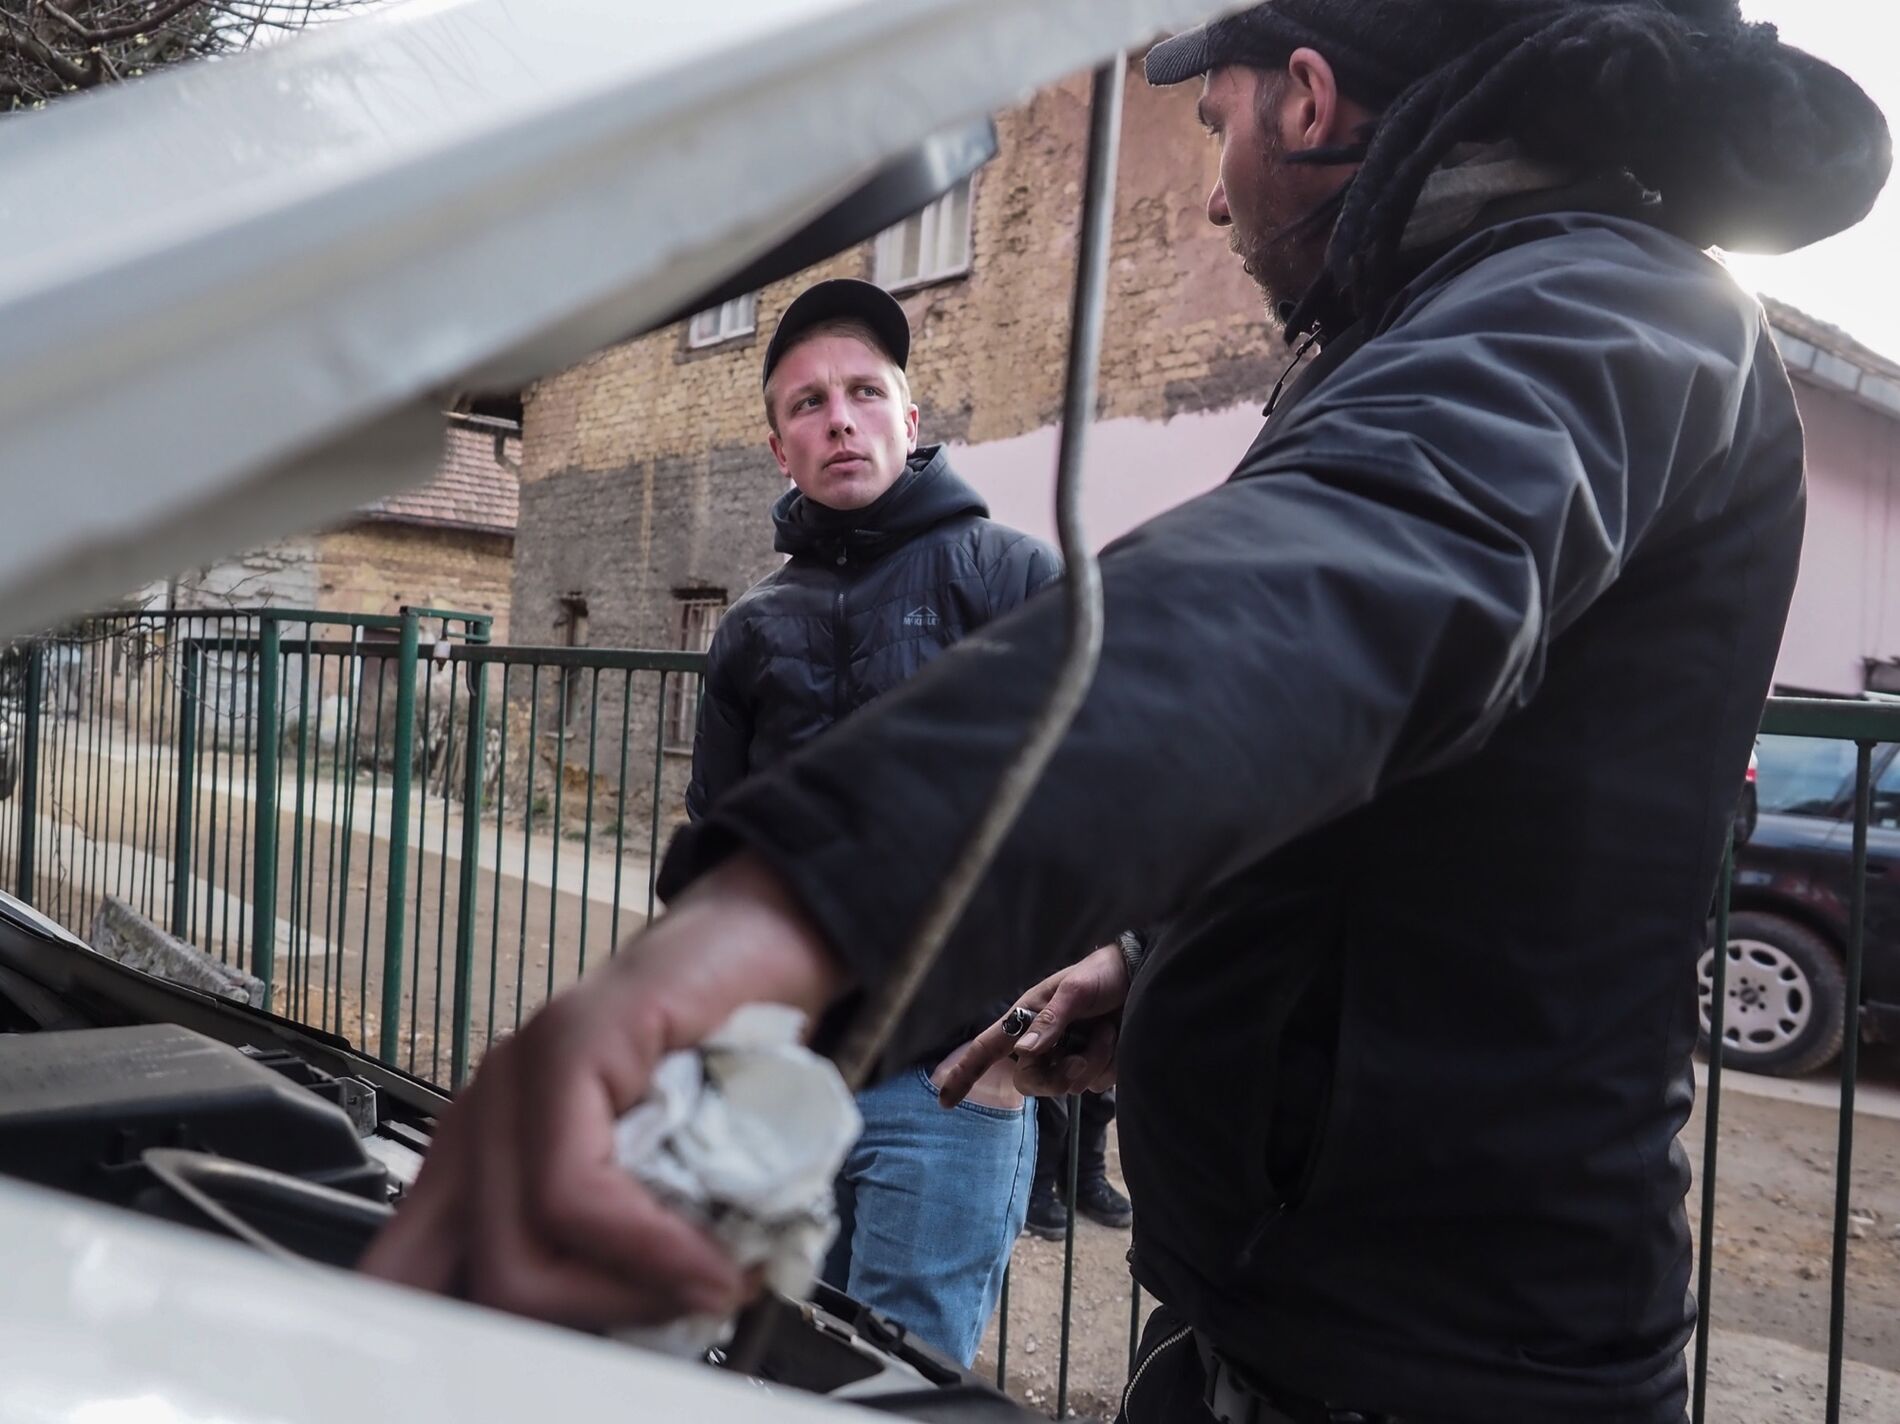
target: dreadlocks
<point>1752,145</point>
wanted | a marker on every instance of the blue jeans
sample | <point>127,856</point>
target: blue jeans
<point>929,1205</point>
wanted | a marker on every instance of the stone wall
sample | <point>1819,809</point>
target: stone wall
<point>378,566</point>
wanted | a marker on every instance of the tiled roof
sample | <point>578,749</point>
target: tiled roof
<point>470,490</point>
<point>1829,357</point>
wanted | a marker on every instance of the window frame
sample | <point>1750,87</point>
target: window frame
<point>573,625</point>
<point>679,715</point>
<point>886,249</point>
<point>721,331</point>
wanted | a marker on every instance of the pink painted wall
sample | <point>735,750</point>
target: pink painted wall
<point>1847,603</point>
<point>1846,606</point>
<point>1134,470</point>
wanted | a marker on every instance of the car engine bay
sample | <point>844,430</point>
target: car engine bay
<point>144,1096</point>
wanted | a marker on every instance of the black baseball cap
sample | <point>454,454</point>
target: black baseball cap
<point>841,298</point>
<point>1377,47</point>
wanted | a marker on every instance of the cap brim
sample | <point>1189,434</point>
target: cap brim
<point>1180,59</point>
<point>843,297</point>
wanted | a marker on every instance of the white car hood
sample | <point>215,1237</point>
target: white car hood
<point>108,1318</point>
<point>233,294</point>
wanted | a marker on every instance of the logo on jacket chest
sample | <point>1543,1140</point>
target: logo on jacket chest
<point>922,616</point>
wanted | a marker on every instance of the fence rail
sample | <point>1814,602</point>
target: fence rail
<point>412,837</point>
<point>354,810</point>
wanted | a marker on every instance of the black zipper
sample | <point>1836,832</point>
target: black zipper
<point>1293,1198</point>
<point>1128,1395</point>
<point>841,640</point>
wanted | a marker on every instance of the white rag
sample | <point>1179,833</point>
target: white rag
<point>745,1135</point>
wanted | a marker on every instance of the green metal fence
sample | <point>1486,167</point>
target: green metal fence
<point>569,777</point>
<point>414,837</point>
<point>408,836</point>
<point>1868,726</point>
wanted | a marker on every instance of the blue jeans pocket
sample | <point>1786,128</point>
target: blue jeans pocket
<point>932,1202</point>
<point>974,1109</point>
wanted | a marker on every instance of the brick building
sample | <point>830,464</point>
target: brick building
<point>646,483</point>
<point>447,544</point>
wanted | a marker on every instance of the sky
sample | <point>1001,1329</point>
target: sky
<point>1853,280</point>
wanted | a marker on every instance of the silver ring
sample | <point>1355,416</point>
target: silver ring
<point>1017,1021</point>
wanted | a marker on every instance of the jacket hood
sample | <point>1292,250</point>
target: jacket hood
<point>927,494</point>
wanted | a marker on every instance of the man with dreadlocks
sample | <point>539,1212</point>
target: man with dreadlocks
<point>1432,716</point>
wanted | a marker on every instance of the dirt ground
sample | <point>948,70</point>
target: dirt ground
<point>1769,1301</point>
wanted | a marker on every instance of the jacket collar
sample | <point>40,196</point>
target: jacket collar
<point>927,494</point>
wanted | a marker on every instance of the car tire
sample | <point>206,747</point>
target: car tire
<point>1786,997</point>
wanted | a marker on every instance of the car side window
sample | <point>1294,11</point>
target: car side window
<point>1805,776</point>
<point>1887,797</point>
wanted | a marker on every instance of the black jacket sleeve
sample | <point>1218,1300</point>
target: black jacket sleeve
<point>1031,567</point>
<point>723,739</point>
<point>1369,597</point>
<point>1016,567</point>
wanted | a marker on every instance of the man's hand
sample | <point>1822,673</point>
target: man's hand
<point>521,1204</point>
<point>1087,997</point>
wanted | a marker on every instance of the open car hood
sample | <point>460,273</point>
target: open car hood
<point>131,1107</point>
<point>111,1317</point>
<point>234,294</point>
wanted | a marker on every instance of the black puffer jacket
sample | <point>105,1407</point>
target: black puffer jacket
<point>868,598</point>
<point>1432,719</point>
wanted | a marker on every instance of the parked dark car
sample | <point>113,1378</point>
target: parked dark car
<point>1748,809</point>
<point>1788,933</point>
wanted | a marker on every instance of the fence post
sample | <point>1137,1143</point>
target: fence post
<point>474,775</point>
<point>1850,1072</point>
<point>399,785</point>
<point>25,887</point>
<point>1068,1257</point>
<point>264,849</point>
<point>187,776</point>
<point>1712,1134</point>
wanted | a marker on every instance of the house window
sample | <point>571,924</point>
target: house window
<point>927,246</point>
<point>573,635</point>
<point>698,612</point>
<point>728,320</point>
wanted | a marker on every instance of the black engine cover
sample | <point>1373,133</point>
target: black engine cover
<point>78,1108</point>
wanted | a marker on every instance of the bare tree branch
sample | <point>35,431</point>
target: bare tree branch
<point>31,48</point>
<point>49,48</point>
<point>145,24</point>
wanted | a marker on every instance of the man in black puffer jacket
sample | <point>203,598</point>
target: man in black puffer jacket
<point>893,559</point>
<point>872,591</point>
